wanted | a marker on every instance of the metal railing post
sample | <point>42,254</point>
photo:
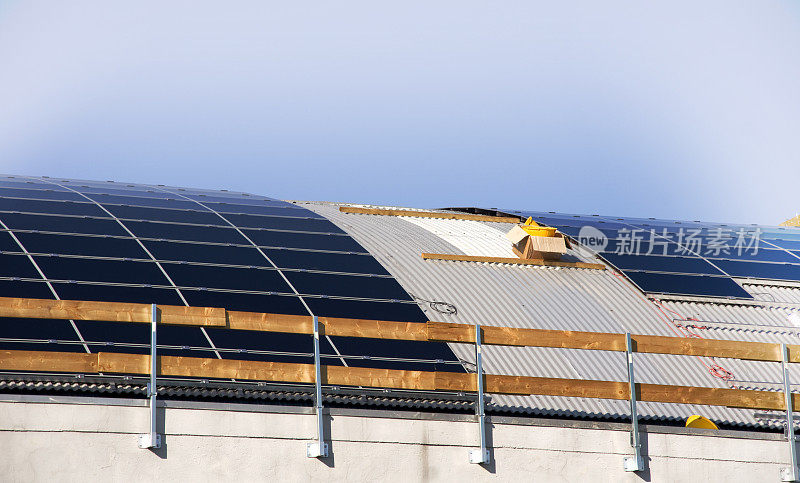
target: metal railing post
<point>319,448</point>
<point>635,462</point>
<point>791,473</point>
<point>152,439</point>
<point>480,456</point>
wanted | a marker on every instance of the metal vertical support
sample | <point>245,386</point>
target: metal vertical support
<point>479,456</point>
<point>319,448</point>
<point>152,439</point>
<point>791,473</point>
<point>635,462</point>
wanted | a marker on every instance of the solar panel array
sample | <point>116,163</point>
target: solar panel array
<point>685,257</point>
<point>106,241</point>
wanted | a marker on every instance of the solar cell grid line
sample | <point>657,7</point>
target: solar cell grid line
<point>144,248</point>
<point>302,300</point>
<point>47,282</point>
<point>793,254</point>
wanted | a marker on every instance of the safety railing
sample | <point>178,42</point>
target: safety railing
<point>319,374</point>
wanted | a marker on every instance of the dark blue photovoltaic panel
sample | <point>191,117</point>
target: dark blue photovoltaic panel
<point>63,224</point>
<point>90,270</point>
<point>347,285</point>
<point>300,344</point>
<point>270,210</point>
<point>141,192</point>
<point>166,214</point>
<point>405,349</point>
<point>329,262</point>
<point>34,290</point>
<point>234,200</point>
<point>114,293</point>
<point>762,255</point>
<point>266,238</point>
<point>314,225</point>
<point>195,252</point>
<point>47,194</point>
<point>772,271</point>
<point>51,207</point>
<point>788,244</point>
<point>179,204</point>
<point>170,231</point>
<point>276,304</point>
<point>82,245</point>
<point>7,243</point>
<point>7,182</point>
<point>90,255</point>
<point>250,279</point>
<point>738,250</point>
<point>140,333</point>
<point>662,264</point>
<point>687,284</point>
<point>40,329</point>
<point>358,309</point>
<point>17,266</point>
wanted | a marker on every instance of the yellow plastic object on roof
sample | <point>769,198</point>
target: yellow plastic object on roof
<point>534,229</point>
<point>790,222</point>
<point>696,421</point>
<point>539,230</point>
<point>530,221</point>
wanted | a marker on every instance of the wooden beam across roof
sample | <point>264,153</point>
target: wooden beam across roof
<point>44,361</point>
<point>109,311</point>
<point>513,261</point>
<point>428,214</point>
<point>393,330</point>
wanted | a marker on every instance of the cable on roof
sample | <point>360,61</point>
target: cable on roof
<point>445,308</point>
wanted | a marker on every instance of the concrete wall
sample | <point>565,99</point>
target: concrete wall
<point>73,439</point>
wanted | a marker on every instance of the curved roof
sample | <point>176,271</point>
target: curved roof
<point>74,239</point>
<point>87,240</point>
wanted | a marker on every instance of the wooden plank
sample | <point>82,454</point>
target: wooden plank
<point>43,361</point>
<point>108,311</point>
<point>291,324</point>
<point>647,344</point>
<point>428,214</point>
<point>732,349</point>
<point>266,371</point>
<point>434,331</point>
<point>345,327</point>
<point>388,378</point>
<point>543,386</point>
<point>198,316</point>
<point>375,329</point>
<point>514,261</point>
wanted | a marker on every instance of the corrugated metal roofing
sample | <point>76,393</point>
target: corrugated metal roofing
<point>544,297</point>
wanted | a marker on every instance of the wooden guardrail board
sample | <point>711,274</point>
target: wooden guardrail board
<point>515,261</point>
<point>385,329</point>
<point>109,311</point>
<point>428,214</point>
<point>43,361</point>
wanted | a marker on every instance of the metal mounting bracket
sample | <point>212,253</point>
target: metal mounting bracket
<point>318,448</point>
<point>791,473</point>
<point>480,456</point>
<point>152,439</point>
<point>635,462</point>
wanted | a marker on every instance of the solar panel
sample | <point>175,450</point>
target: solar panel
<point>115,242</point>
<point>93,246</point>
<point>79,208</point>
<point>685,257</point>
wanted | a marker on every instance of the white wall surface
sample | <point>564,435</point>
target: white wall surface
<point>47,441</point>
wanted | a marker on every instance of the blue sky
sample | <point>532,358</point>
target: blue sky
<point>686,110</point>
